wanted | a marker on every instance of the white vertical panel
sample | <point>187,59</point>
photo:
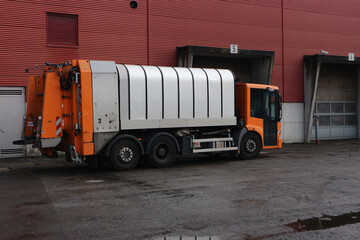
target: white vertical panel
<point>170,93</point>
<point>292,122</point>
<point>186,92</point>
<point>214,93</point>
<point>200,91</point>
<point>105,96</point>
<point>124,91</point>
<point>137,92</point>
<point>227,92</point>
<point>154,92</point>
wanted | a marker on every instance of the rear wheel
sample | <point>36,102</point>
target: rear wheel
<point>250,146</point>
<point>125,154</point>
<point>162,152</point>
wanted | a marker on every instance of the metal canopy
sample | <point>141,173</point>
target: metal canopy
<point>331,59</point>
<point>200,50</point>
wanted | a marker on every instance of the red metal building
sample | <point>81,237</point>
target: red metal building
<point>150,32</point>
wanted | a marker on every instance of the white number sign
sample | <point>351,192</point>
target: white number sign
<point>351,57</point>
<point>233,48</point>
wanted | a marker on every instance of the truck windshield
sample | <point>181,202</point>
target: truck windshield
<point>256,103</point>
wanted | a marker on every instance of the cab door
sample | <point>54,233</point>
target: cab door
<point>270,117</point>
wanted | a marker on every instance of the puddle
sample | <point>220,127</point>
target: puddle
<point>311,224</point>
<point>32,203</point>
<point>5,169</point>
<point>187,238</point>
<point>325,222</point>
<point>95,181</point>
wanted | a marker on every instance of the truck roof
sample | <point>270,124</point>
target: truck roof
<point>260,86</point>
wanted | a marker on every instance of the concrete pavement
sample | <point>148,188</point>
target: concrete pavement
<point>211,197</point>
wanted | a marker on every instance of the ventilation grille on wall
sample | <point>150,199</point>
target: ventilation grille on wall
<point>10,92</point>
<point>10,151</point>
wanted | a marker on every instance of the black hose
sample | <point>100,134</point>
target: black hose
<point>66,83</point>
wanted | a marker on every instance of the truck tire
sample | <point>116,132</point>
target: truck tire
<point>124,154</point>
<point>250,146</point>
<point>162,152</point>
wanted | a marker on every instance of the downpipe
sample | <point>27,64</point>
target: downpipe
<point>317,140</point>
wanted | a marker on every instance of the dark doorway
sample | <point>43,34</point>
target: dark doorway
<point>248,66</point>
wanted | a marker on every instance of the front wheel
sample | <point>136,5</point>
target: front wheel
<point>125,154</point>
<point>250,146</point>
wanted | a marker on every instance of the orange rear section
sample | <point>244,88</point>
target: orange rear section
<point>52,108</point>
<point>58,117</point>
<point>34,104</point>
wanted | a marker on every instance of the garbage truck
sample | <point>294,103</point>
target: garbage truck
<point>103,112</point>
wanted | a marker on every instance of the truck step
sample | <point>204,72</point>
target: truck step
<point>214,149</point>
<point>204,145</point>
<point>212,140</point>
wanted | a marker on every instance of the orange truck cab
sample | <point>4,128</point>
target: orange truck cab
<point>259,107</point>
<point>100,111</point>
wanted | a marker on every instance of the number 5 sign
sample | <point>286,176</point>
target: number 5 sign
<point>233,48</point>
<point>351,57</point>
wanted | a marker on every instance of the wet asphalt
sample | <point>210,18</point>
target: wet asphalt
<point>303,191</point>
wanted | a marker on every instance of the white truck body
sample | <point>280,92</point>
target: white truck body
<point>160,97</point>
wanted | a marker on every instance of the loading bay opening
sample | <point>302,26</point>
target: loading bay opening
<point>331,92</point>
<point>248,66</point>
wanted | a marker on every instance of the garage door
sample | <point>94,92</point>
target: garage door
<point>337,102</point>
<point>12,110</point>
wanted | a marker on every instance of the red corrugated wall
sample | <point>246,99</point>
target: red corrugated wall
<point>111,30</point>
<point>314,25</point>
<point>108,30</point>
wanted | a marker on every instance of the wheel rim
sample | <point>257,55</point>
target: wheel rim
<point>126,154</point>
<point>161,151</point>
<point>250,146</point>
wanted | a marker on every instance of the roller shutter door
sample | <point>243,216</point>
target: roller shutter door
<point>337,102</point>
<point>12,110</point>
